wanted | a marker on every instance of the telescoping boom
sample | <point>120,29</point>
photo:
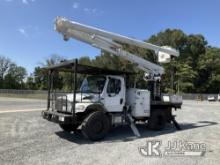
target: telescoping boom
<point>110,42</point>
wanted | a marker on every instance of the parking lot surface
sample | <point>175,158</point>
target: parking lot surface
<point>26,138</point>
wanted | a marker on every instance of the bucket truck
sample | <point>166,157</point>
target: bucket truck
<point>104,99</point>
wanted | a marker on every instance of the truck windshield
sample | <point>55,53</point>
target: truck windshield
<point>93,84</point>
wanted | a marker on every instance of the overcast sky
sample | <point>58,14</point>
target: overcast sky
<point>27,33</point>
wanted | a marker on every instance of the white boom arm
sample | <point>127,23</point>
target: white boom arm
<point>106,41</point>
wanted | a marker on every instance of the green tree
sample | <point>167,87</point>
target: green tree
<point>41,73</point>
<point>4,65</point>
<point>185,77</point>
<point>209,71</point>
<point>191,47</point>
<point>14,79</point>
<point>30,83</point>
<point>196,69</point>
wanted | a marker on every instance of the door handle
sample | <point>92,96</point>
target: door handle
<point>121,100</point>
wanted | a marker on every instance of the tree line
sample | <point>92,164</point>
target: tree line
<point>197,69</point>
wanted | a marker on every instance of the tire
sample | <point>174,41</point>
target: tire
<point>69,127</point>
<point>96,126</point>
<point>157,120</point>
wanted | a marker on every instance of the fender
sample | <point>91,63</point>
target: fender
<point>95,107</point>
<point>89,107</point>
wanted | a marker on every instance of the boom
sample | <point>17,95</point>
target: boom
<point>108,41</point>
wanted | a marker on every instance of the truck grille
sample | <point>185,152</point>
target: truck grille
<point>59,103</point>
<point>62,104</point>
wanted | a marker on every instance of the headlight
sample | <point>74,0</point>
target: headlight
<point>69,106</point>
<point>80,107</point>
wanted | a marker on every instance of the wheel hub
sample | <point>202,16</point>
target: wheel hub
<point>97,126</point>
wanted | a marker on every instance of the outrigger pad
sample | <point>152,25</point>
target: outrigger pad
<point>175,123</point>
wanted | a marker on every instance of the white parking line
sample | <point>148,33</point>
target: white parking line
<point>21,110</point>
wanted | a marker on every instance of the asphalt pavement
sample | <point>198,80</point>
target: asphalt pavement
<point>26,138</point>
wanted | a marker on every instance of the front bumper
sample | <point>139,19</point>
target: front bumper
<point>61,118</point>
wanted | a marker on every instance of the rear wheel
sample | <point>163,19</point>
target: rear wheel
<point>69,127</point>
<point>157,120</point>
<point>95,126</point>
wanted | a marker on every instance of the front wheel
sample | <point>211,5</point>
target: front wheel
<point>95,126</point>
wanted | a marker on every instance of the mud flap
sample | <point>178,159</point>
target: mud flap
<point>175,123</point>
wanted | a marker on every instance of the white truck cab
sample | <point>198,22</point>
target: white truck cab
<point>108,89</point>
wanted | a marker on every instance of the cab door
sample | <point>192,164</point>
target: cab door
<point>115,94</point>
